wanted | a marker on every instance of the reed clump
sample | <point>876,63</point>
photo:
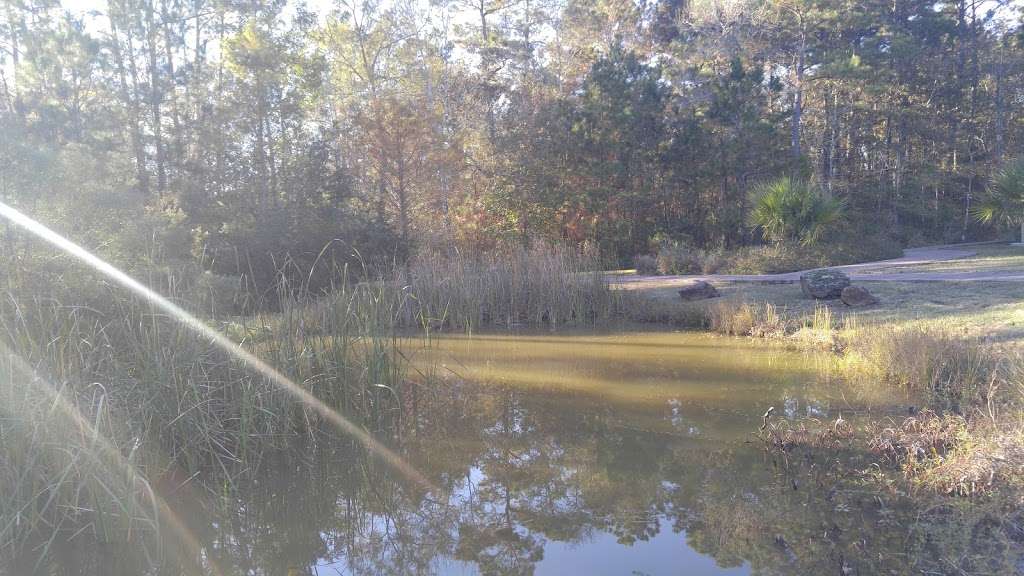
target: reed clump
<point>954,372</point>
<point>738,318</point>
<point>97,399</point>
<point>544,285</point>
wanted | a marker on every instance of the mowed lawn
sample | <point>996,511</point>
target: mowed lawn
<point>989,258</point>
<point>990,310</point>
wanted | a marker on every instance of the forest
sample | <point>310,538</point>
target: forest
<point>244,139</point>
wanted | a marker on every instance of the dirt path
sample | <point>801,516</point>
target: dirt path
<point>866,272</point>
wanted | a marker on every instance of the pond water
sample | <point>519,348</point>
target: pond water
<point>578,454</point>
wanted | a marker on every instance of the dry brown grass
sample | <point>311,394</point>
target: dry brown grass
<point>953,455</point>
<point>954,372</point>
<point>734,318</point>
<point>917,438</point>
<point>785,435</point>
<point>545,285</point>
<point>982,463</point>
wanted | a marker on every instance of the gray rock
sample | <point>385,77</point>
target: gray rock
<point>824,284</point>
<point>857,296</point>
<point>698,290</point>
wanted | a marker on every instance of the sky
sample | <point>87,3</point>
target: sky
<point>1008,13</point>
<point>99,7</point>
<point>93,13</point>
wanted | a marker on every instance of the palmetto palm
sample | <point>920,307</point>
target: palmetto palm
<point>787,209</point>
<point>1004,201</point>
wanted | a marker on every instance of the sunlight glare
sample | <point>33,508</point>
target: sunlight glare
<point>108,454</point>
<point>202,329</point>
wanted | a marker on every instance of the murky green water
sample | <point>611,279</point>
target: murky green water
<point>617,454</point>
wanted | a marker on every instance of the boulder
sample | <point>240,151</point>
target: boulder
<point>857,296</point>
<point>699,290</point>
<point>824,284</point>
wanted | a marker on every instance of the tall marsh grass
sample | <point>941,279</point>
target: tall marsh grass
<point>545,285</point>
<point>953,371</point>
<point>736,318</point>
<point>167,404</point>
<point>159,404</point>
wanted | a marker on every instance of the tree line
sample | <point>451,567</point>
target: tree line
<point>247,136</point>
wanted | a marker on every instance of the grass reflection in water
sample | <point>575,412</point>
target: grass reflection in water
<point>598,455</point>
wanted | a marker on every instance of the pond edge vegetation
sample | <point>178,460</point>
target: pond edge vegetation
<point>965,437</point>
<point>121,364</point>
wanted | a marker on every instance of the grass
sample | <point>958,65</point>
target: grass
<point>145,399</point>
<point>990,310</point>
<point>546,285</point>
<point>993,311</point>
<point>988,258</point>
<point>955,346</point>
<point>156,402</point>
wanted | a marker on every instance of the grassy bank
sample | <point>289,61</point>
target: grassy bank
<point>104,405</point>
<point>110,402</point>
<point>992,311</point>
<point>953,347</point>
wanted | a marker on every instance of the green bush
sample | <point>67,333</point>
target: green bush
<point>789,210</point>
<point>848,243</point>
<point>788,257</point>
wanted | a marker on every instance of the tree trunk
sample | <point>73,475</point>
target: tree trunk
<point>155,96</point>
<point>131,102</point>
<point>485,62</point>
<point>175,116</point>
<point>798,98</point>
<point>11,91</point>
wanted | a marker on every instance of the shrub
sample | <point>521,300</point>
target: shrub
<point>646,265</point>
<point>714,261</point>
<point>774,259</point>
<point>850,243</point>
<point>680,258</point>
<point>791,257</point>
<point>789,210</point>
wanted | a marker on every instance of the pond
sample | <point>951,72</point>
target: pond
<point>628,453</point>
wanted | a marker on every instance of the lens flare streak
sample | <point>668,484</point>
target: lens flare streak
<point>107,455</point>
<point>216,338</point>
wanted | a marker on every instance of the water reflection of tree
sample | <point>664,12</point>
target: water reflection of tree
<point>518,470</point>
